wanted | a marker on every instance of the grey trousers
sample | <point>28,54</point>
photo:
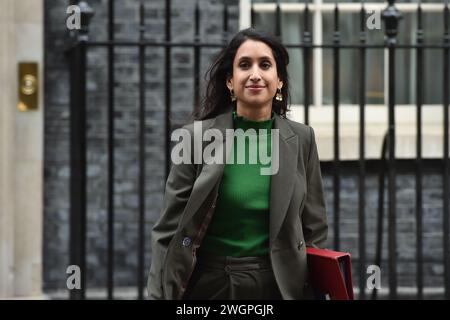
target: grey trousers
<point>232,278</point>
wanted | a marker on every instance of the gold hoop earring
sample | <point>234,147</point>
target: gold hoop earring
<point>232,95</point>
<point>279,95</point>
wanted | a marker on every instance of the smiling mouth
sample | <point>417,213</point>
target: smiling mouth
<point>255,87</point>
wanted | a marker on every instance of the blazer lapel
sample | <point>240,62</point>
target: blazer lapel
<point>211,174</point>
<point>282,183</point>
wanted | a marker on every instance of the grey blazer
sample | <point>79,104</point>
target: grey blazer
<point>297,213</point>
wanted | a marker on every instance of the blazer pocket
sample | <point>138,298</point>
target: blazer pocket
<point>300,237</point>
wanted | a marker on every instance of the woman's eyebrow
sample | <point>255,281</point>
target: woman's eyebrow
<point>260,58</point>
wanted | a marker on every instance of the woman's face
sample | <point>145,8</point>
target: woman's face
<point>255,79</point>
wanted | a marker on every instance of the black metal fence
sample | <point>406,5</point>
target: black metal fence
<point>391,17</point>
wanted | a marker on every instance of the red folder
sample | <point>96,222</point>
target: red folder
<point>330,273</point>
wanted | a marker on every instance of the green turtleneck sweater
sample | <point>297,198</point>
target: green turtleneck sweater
<point>240,224</point>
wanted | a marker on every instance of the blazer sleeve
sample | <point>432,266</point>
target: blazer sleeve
<point>314,218</point>
<point>177,192</point>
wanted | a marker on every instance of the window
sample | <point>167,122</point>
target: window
<point>321,112</point>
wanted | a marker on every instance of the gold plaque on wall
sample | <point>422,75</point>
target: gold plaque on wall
<point>28,86</point>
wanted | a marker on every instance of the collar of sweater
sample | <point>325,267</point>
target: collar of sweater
<point>241,122</point>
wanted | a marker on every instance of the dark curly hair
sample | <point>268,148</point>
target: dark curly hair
<point>217,98</point>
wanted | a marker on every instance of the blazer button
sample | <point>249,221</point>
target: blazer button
<point>300,245</point>
<point>186,242</point>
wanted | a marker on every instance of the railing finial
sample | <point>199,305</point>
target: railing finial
<point>86,13</point>
<point>391,17</point>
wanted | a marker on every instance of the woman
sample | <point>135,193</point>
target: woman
<point>227,231</point>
